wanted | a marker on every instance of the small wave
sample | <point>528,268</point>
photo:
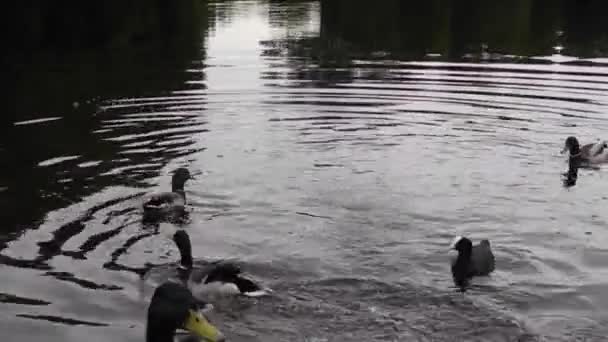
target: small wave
<point>58,160</point>
<point>63,320</point>
<point>341,308</point>
<point>36,121</point>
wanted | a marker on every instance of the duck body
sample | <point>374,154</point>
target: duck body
<point>164,205</point>
<point>223,279</point>
<point>220,278</point>
<point>212,280</point>
<point>589,154</point>
<point>471,261</point>
<point>163,200</point>
<point>168,204</point>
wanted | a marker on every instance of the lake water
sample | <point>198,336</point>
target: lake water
<point>339,148</point>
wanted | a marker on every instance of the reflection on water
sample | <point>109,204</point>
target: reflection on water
<point>340,146</point>
<point>471,30</point>
<point>62,96</point>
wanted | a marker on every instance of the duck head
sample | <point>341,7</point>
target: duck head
<point>572,146</point>
<point>180,177</point>
<point>173,307</point>
<point>463,245</point>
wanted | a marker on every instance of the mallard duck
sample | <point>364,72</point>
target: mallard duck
<point>595,153</point>
<point>173,307</point>
<point>163,204</point>
<point>218,278</point>
<point>471,260</point>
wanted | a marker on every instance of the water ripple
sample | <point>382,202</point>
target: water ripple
<point>337,177</point>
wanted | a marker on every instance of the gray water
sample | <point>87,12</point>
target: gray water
<point>339,182</point>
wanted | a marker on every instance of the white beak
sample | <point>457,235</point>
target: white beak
<point>455,241</point>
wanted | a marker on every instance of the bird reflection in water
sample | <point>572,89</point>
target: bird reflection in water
<point>571,176</point>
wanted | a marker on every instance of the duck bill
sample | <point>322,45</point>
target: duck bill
<point>564,150</point>
<point>196,174</point>
<point>198,325</point>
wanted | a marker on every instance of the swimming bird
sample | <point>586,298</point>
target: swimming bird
<point>219,278</point>
<point>173,307</point>
<point>471,261</point>
<point>595,153</point>
<point>164,204</point>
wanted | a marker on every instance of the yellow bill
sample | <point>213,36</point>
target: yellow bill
<point>198,325</point>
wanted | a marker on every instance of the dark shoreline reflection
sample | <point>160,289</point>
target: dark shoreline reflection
<point>355,33</point>
<point>470,30</point>
<point>570,177</point>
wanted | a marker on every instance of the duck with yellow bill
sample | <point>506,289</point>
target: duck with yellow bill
<point>173,307</point>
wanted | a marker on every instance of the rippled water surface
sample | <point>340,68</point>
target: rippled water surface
<point>335,171</point>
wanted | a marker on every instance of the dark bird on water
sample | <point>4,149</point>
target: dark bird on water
<point>471,260</point>
<point>589,154</point>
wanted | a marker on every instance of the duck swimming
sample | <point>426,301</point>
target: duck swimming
<point>173,307</point>
<point>164,204</point>
<point>595,153</point>
<point>219,278</point>
<point>471,261</point>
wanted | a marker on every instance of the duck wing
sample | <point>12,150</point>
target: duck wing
<point>163,200</point>
<point>600,153</point>
<point>587,150</point>
<point>601,148</point>
<point>223,272</point>
<point>248,286</point>
<point>482,259</point>
<point>595,153</point>
<point>595,149</point>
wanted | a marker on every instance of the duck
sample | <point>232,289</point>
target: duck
<point>594,153</point>
<point>471,261</point>
<point>174,307</point>
<point>220,278</point>
<point>163,204</point>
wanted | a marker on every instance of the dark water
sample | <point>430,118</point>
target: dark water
<point>341,146</point>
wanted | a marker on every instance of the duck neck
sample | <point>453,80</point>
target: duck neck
<point>182,240</point>
<point>186,261</point>
<point>159,333</point>
<point>575,150</point>
<point>574,162</point>
<point>177,187</point>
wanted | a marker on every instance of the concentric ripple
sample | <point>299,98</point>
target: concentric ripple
<point>333,168</point>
